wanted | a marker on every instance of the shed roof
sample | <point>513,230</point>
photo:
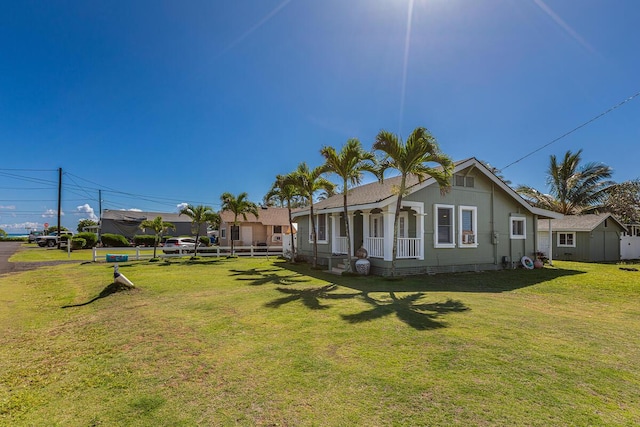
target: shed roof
<point>586,222</point>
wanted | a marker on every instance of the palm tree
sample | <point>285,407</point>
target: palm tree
<point>238,206</point>
<point>573,189</point>
<point>308,182</point>
<point>349,164</point>
<point>159,227</point>
<point>284,190</point>
<point>199,215</point>
<point>411,158</point>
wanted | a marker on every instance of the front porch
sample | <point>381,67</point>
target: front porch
<point>373,230</point>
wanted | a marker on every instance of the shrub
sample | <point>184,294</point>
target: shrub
<point>204,240</point>
<point>114,240</point>
<point>78,243</point>
<point>91,239</point>
<point>144,240</point>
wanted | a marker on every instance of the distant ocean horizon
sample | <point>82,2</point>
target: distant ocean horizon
<point>17,235</point>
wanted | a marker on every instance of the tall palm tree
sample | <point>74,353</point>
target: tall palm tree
<point>308,182</point>
<point>412,158</point>
<point>573,189</point>
<point>159,227</point>
<point>199,215</point>
<point>238,206</point>
<point>284,190</point>
<point>349,164</point>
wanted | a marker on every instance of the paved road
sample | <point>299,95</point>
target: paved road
<point>9,248</point>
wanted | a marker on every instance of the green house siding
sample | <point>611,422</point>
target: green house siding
<point>602,244</point>
<point>494,209</point>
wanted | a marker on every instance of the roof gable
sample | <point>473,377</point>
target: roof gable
<point>586,222</point>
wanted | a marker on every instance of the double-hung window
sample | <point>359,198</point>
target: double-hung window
<point>321,229</point>
<point>444,226</point>
<point>468,224</point>
<point>518,227</point>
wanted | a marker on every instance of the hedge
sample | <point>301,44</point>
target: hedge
<point>78,243</point>
<point>91,239</point>
<point>144,240</point>
<point>114,240</point>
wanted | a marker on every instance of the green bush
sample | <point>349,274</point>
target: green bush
<point>78,243</point>
<point>204,240</point>
<point>91,239</point>
<point>114,241</point>
<point>144,240</point>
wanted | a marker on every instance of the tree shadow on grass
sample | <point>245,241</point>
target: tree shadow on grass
<point>109,290</point>
<point>486,281</point>
<point>259,277</point>
<point>310,297</point>
<point>420,316</point>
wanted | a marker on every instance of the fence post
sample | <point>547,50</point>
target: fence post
<point>94,254</point>
<point>252,250</point>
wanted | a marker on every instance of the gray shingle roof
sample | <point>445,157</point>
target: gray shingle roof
<point>576,222</point>
<point>137,216</point>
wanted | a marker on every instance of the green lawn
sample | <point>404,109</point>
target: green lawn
<point>258,342</point>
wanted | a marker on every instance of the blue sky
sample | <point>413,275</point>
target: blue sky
<point>161,103</point>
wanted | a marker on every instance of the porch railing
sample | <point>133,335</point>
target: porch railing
<point>375,246</point>
<point>409,247</point>
<point>340,245</point>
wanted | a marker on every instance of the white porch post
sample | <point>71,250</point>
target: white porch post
<point>550,244</point>
<point>388,232</point>
<point>365,231</point>
<point>334,235</point>
<point>420,229</point>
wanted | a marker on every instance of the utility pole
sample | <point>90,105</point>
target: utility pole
<point>99,214</point>
<point>60,204</point>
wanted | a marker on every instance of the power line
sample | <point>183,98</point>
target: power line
<point>574,129</point>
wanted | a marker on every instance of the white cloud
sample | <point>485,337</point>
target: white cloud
<point>50,213</point>
<point>87,209</point>
<point>132,210</point>
<point>182,205</point>
<point>9,207</point>
<point>20,227</point>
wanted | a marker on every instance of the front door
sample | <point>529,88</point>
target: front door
<point>246,234</point>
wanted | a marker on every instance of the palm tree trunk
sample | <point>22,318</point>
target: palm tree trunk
<point>314,237</point>
<point>293,246</point>
<point>155,245</point>
<point>396,216</point>
<point>195,250</point>
<point>346,226</point>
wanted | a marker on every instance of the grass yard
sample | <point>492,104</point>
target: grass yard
<point>259,342</point>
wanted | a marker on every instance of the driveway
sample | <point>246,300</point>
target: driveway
<point>9,248</point>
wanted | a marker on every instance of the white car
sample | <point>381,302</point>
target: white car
<point>175,245</point>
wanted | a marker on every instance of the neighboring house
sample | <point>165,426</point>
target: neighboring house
<point>592,237</point>
<point>268,229</point>
<point>630,242</point>
<point>127,223</point>
<point>480,224</point>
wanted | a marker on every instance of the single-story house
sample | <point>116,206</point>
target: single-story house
<point>480,224</point>
<point>630,242</point>
<point>267,229</point>
<point>127,223</point>
<point>591,237</point>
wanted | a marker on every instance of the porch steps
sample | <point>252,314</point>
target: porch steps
<point>338,269</point>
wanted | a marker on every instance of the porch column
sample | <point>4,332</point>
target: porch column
<point>388,232</point>
<point>365,231</point>
<point>550,244</point>
<point>334,235</point>
<point>420,228</point>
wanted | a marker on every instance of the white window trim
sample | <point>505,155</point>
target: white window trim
<point>573,233</point>
<point>522,236</point>
<point>474,225</point>
<point>435,226</point>
<point>326,228</point>
<point>372,222</point>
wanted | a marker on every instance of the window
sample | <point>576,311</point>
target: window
<point>403,225</point>
<point>376,226</point>
<point>223,233</point>
<point>468,226</point>
<point>463,181</point>
<point>567,240</point>
<point>321,229</point>
<point>277,229</point>
<point>235,232</point>
<point>518,227</point>
<point>444,226</point>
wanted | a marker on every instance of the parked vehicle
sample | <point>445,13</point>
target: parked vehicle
<point>52,239</point>
<point>175,245</point>
<point>34,234</point>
